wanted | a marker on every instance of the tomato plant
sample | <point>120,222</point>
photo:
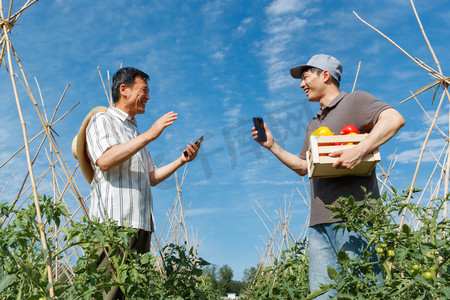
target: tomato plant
<point>426,248</point>
<point>23,261</point>
<point>391,253</point>
<point>287,278</point>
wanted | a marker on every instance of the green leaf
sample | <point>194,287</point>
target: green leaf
<point>406,229</point>
<point>316,293</point>
<point>291,293</point>
<point>332,273</point>
<point>343,256</point>
<point>145,259</point>
<point>99,235</point>
<point>7,281</point>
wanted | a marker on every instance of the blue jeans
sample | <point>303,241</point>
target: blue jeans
<point>323,247</point>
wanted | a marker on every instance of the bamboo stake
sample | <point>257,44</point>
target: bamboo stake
<point>6,185</point>
<point>356,77</point>
<point>47,133</point>
<point>429,118</point>
<point>422,150</point>
<point>445,89</point>
<point>30,168</point>
<point>59,103</point>
<point>26,176</point>
<point>38,180</point>
<point>447,170</point>
<point>392,42</point>
<point>426,38</point>
<point>110,90</point>
<point>104,87</point>
<point>37,135</point>
<point>441,80</point>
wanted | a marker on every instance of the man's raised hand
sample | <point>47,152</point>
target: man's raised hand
<point>158,127</point>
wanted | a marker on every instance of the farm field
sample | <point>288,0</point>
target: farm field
<point>212,213</point>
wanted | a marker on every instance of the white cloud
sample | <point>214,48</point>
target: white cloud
<point>279,7</point>
<point>434,149</point>
<point>218,55</point>
<point>233,112</point>
<point>441,120</point>
<point>283,26</point>
<point>410,136</point>
<point>242,29</point>
<point>213,9</point>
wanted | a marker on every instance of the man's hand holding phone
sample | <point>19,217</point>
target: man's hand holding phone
<point>191,150</point>
<point>261,133</point>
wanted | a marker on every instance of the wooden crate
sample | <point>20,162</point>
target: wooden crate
<point>320,164</point>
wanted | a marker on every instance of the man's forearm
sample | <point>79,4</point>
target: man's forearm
<point>165,172</point>
<point>388,124</point>
<point>290,160</point>
<point>118,154</point>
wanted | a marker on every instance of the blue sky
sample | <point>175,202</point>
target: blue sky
<point>218,64</point>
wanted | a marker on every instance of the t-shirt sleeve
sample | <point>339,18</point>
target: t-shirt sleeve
<point>368,109</point>
<point>100,136</point>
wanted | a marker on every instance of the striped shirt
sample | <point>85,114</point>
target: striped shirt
<point>122,193</point>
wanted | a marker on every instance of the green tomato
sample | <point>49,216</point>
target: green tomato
<point>427,275</point>
<point>391,253</point>
<point>379,250</point>
<point>416,267</point>
<point>384,245</point>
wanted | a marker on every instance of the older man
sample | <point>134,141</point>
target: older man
<point>123,167</point>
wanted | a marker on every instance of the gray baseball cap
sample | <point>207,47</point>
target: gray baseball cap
<point>323,62</point>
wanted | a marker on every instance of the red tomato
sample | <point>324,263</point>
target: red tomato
<point>349,128</point>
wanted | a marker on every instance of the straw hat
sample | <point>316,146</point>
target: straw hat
<point>79,145</point>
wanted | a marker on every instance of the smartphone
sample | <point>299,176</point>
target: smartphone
<point>259,125</point>
<point>200,139</point>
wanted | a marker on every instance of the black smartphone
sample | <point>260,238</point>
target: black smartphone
<point>259,125</point>
<point>196,143</point>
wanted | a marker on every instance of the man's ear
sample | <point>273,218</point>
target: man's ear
<point>326,76</point>
<point>123,90</point>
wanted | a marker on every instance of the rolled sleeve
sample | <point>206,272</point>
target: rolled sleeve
<point>100,136</point>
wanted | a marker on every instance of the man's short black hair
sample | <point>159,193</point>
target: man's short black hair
<point>125,76</point>
<point>318,72</point>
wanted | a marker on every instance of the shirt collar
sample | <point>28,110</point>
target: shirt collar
<point>121,115</point>
<point>324,111</point>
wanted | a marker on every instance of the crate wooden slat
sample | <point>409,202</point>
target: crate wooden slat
<point>320,164</point>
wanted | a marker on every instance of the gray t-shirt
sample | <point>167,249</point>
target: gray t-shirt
<point>361,110</point>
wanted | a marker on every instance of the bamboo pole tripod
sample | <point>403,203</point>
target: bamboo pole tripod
<point>440,82</point>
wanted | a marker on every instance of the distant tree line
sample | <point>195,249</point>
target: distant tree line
<point>222,279</point>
